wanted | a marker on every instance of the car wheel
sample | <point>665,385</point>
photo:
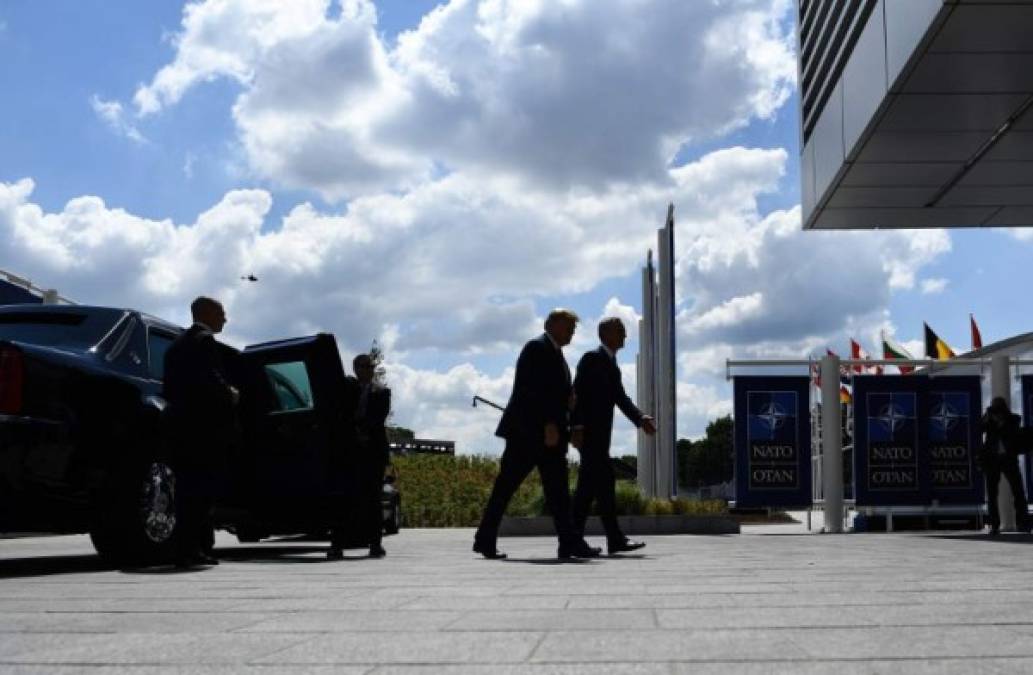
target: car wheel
<point>136,521</point>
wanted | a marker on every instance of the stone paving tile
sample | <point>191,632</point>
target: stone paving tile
<point>187,669</point>
<point>500,603</point>
<point>625,668</point>
<point>415,648</point>
<point>666,645</point>
<point>138,648</point>
<point>900,603</point>
<point>866,667</point>
<point>361,620</point>
<point>764,617</point>
<point>517,620</point>
<point>157,622</point>
<point>915,642</point>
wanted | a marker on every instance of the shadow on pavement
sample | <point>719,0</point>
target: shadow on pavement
<point>40,566</point>
<point>548,561</point>
<point>983,537</point>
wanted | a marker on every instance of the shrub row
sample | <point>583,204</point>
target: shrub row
<point>451,491</point>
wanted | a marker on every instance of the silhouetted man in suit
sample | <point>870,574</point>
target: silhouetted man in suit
<point>598,389</point>
<point>371,458</point>
<point>202,418</point>
<point>998,457</point>
<point>535,426</point>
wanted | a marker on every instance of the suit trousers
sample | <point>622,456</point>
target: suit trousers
<point>1009,468</point>
<point>365,505</point>
<point>518,459</point>
<point>195,502</point>
<point>596,482</point>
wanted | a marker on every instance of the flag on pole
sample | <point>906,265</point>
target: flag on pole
<point>844,395</point>
<point>936,348</point>
<point>893,350</point>
<point>977,338</point>
<point>857,353</point>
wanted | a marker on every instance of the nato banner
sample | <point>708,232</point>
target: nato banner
<point>772,441</point>
<point>889,466</point>
<point>952,409</point>
<point>916,440</point>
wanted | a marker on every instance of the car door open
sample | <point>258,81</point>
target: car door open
<point>293,435</point>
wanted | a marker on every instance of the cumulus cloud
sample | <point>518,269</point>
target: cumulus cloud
<point>457,266</point>
<point>933,286</point>
<point>112,114</point>
<point>561,94</point>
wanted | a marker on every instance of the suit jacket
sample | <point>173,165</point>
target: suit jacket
<point>200,402</point>
<point>1010,433</point>
<point>371,422</point>
<point>541,391</point>
<point>599,388</point>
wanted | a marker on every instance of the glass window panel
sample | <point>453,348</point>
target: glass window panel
<point>291,385</point>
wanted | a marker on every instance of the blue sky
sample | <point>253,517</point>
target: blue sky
<point>445,185</point>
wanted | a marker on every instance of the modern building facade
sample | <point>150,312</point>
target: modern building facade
<point>916,113</point>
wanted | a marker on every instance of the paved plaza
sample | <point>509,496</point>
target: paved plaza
<point>773,599</point>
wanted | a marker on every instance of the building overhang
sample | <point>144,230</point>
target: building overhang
<point>928,121</point>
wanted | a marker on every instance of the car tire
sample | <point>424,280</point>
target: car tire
<point>135,520</point>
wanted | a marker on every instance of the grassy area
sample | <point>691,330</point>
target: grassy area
<point>451,491</point>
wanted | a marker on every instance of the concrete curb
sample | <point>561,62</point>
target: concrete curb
<point>631,525</point>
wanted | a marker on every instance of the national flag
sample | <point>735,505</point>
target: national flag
<point>936,348</point>
<point>844,395</point>
<point>893,350</point>
<point>859,354</point>
<point>855,353</point>
<point>977,338</point>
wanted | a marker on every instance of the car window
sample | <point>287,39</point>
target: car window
<point>291,384</point>
<point>157,345</point>
<point>64,327</point>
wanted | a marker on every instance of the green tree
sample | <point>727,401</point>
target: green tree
<point>711,459</point>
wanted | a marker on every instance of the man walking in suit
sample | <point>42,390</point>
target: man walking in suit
<point>597,389</point>
<point>535,426</point>
<point>202,419</point>
<point>372,456</point>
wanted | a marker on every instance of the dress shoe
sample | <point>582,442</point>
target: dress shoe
<point>334,553</point>
<point>205,559</point>
<point>579,550</point>
<point>377,551</point>
<point>624,546</point>
<point>994,531</point>
<point>488,551</point>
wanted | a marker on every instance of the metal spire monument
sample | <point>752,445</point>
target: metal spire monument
<point>657,459</point>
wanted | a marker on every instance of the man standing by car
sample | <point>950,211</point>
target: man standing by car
<point>370,460</point>
<point>535,426</point>
<point>598,389</point>
<point>202,419</point>
<point>999,456</point>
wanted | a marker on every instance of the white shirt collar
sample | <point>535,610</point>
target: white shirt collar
<point>205,327</point>
<point>613,355</point>
<point>553,341</point>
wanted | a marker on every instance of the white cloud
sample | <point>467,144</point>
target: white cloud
<point>933,286</point>
<point>112,114</point>
<point>456,267</point>
<point>522,89</point>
